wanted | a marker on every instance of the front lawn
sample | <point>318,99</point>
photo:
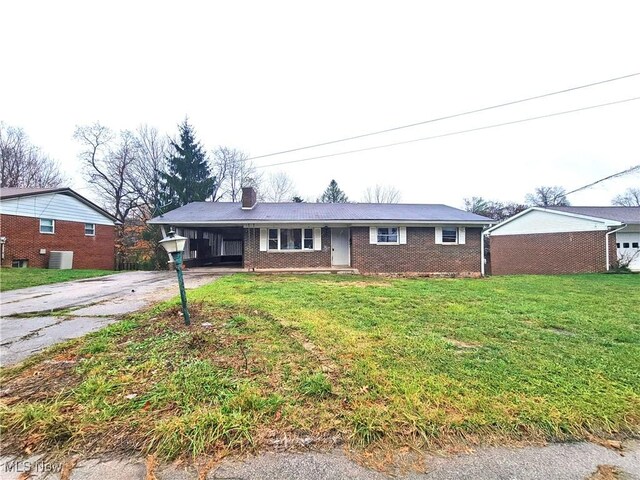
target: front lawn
<point>367,361</point>
<point>14,278</point>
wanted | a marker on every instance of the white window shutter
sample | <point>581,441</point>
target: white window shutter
<point>317,239</point>
<point>264,239</point>
<point>373,235</point>
<point>461,236</point>
<point>438,235</point>
<point>403,235</point>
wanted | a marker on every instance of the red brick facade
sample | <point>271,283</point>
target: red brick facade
<point>550,253</point>
<point>254,258</point>
<point>24,242</point>
<point>420,255</point>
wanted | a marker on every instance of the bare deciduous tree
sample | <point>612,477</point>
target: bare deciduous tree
<point>381,194</point>
<point>630,198</point>
<point>24,165</point>
<point>150,163</point>
<point>278,188</point>
<point>233,171</point>
<point>109,165</point>
<point>493,209</point>
<point>548,197</point>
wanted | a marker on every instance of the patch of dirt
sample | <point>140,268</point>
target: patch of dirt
<point>42,381</point>
<point>361,284</point>
<point>561,331</point>
<point>462,345</point>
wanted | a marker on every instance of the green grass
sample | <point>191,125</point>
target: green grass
<point>14,278</point>
<point>389,362</point>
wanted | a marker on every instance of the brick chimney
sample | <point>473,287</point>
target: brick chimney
<point>249,198</point>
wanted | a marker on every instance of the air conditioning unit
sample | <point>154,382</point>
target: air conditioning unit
<point>60,260</point>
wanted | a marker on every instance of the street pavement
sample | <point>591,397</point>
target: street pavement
<point>560,461</point>
<point>32,319</point>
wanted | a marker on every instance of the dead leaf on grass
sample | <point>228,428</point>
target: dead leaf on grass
<point>611,444</point>
<point>67,468</point>
<point>606,472</point>
<point>150,464</point>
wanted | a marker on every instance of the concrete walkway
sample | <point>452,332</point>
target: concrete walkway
<point>562,461</point>
<point>32,319</point>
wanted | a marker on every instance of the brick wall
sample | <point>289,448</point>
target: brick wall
<point>24,241</point>
<point>419,255</point>
<point>550,253</point>
<point>254,258</point>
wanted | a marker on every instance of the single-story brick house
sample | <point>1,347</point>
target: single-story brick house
<point>372,238</point>
<point>36,221</point>
<point>565,240</point>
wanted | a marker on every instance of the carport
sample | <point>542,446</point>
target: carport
<point>211,246</point>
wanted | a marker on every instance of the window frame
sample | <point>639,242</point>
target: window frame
<point>278,239</point>
<point>388,234</point>
<point>457,236</point>
<point>53,226</point>
<point>93,230</point>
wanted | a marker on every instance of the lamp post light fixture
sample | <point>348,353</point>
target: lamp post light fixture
<point>174,245</point>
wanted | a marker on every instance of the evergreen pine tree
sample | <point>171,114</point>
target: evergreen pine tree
<point>333,194</point>
<point>188,177</point>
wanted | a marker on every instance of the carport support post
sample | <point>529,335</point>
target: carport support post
<point>177,258</point>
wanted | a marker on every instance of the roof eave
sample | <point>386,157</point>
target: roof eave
<point>182,223</point>
<point>605,221</point>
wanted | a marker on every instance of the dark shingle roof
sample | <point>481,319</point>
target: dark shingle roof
<point>619,214</point>
<point>223,212</point>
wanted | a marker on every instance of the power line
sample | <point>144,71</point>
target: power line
<point>483,109</point>
<point>615,175</point>
<point>459,132</point>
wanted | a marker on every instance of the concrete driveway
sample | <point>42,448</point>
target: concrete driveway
<point>32,319</point>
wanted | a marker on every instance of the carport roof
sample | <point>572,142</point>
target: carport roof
<point>212,213</point>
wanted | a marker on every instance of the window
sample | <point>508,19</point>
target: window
<point>291,239</point>
<point>449,235</point>
<point>21,263</point>
<point>625,245</point>
<point>273,239</point>
<point>90,229</point>
<point>47,225</point>
<point>308,239</point>
<point>618,245</point>
<point>634,245</point>
<point>387,235</point>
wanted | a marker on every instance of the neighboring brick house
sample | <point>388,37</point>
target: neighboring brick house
<point>566,240</point>
<point>36,221</point>
<point>372,238</point>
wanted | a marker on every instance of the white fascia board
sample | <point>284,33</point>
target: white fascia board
<point>328,223</point>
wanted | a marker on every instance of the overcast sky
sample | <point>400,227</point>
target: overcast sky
<point>270,76</point>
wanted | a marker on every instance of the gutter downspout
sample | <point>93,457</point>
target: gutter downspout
<point>606,243</point>
<point>482,259</point>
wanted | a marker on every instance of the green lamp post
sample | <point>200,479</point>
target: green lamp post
<point>174,245</point>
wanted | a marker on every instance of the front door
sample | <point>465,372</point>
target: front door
<point>340,247</point>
